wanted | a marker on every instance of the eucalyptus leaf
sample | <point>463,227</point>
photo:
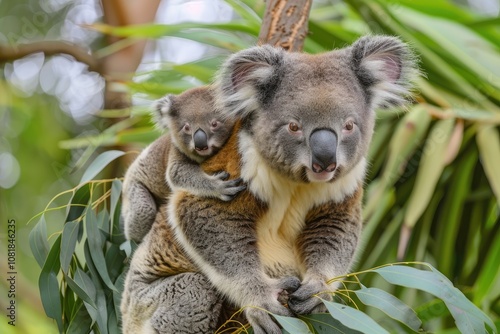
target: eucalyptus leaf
<point>429,170</point>
<point>96,246</point>
<point>467,315</point>
<point>49,285</point>
<point>81,289</point>
<point>353,318</point>
<point>78,203</point>
<point>38,241</point>
<point>324,323</point>
<point>81,323</point>
<point>292,325</point>
<point>390,305</point>
<point>100,163</point>
<point>68,244</point>
<point>488,142</point>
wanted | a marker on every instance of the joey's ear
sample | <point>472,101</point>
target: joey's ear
<point>248,78</point>
<point>385,67</point>
<point>162,110</point>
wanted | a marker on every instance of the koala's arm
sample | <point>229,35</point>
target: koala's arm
<point>327,247</point>
<point>185,174</point>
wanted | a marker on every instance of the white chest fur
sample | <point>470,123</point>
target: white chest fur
<point>288,203</point>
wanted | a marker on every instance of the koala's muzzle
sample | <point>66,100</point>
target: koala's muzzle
<point>323,145</point>
<point>200,140</point>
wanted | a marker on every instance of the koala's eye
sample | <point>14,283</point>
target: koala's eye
<point>186,128</point>
<point>215,124</point>
<point>349,126</point>
<point>294,127</point>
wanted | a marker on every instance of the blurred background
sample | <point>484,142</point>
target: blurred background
<point>76,81</point>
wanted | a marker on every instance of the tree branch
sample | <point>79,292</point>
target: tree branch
<point>50,48</point>
<point>285,24</point>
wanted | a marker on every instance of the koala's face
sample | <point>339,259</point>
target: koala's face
<point>312,116</point>
<point>196,128</point>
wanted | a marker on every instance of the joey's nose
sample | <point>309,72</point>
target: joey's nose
<point>200,140</point>
<point>323,145</point>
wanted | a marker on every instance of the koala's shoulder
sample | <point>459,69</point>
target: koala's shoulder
<point>158,152</point>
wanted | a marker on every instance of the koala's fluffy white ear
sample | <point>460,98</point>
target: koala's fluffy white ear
<point>247,78</point>
<point>386,67</point>
<point>162,109</point>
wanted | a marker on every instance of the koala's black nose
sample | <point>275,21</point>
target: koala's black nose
<point>323,145</point>
<point>200,140</point>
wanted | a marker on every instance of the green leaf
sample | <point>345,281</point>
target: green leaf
<point>81,323</point>
<point>457,40</point>
<point>81,286</point>
<point>116,191</point>
<point>49,285</point>
<point>68,244</point>
<point>354,319</point>
<point>488,142</point>
<point>114,261</point>
<point>292,325</point>
<point>117,295</point>
<point>324,324</point>
<point>78,203</point>
<point>99,163</point>
<point>390,305</point>
<point>162,30</point>
<point>489,275</point>
<point>95,246</point>
<point>38,241</point>
<point>430,169</point>
<point>407,137</point>
<point>467,316</point>
<point>196,71</point>
<point>245,12</point>
<point>100,317</point>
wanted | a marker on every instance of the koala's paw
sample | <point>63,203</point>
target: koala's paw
<point>305,299</point>
<point>287,286</point>
<point>226,189</point>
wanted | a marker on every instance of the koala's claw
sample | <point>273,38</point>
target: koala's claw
<point>231,188</point>
<point>222,175</point>
<point>305,299</point>
<point>289,284</point>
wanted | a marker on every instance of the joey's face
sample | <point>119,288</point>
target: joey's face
<point>203,133</point>
<point>310,136</point>
<point>196,127</point>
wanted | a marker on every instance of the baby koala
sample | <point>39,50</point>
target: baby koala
<point>197,132</point>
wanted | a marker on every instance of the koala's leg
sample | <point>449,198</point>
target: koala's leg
<point>327,246</point>
<point>139,211</point>
<point>184,303</point>
<point>190,304</point>
<point>221,239</point>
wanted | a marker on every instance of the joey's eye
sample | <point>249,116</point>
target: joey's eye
<point>186,127</point>
<point>349,126</point>
<point>293,127</point>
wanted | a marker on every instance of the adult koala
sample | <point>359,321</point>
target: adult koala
<point>306,123</point>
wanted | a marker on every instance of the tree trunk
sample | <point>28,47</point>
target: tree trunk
<point>285,24</point>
